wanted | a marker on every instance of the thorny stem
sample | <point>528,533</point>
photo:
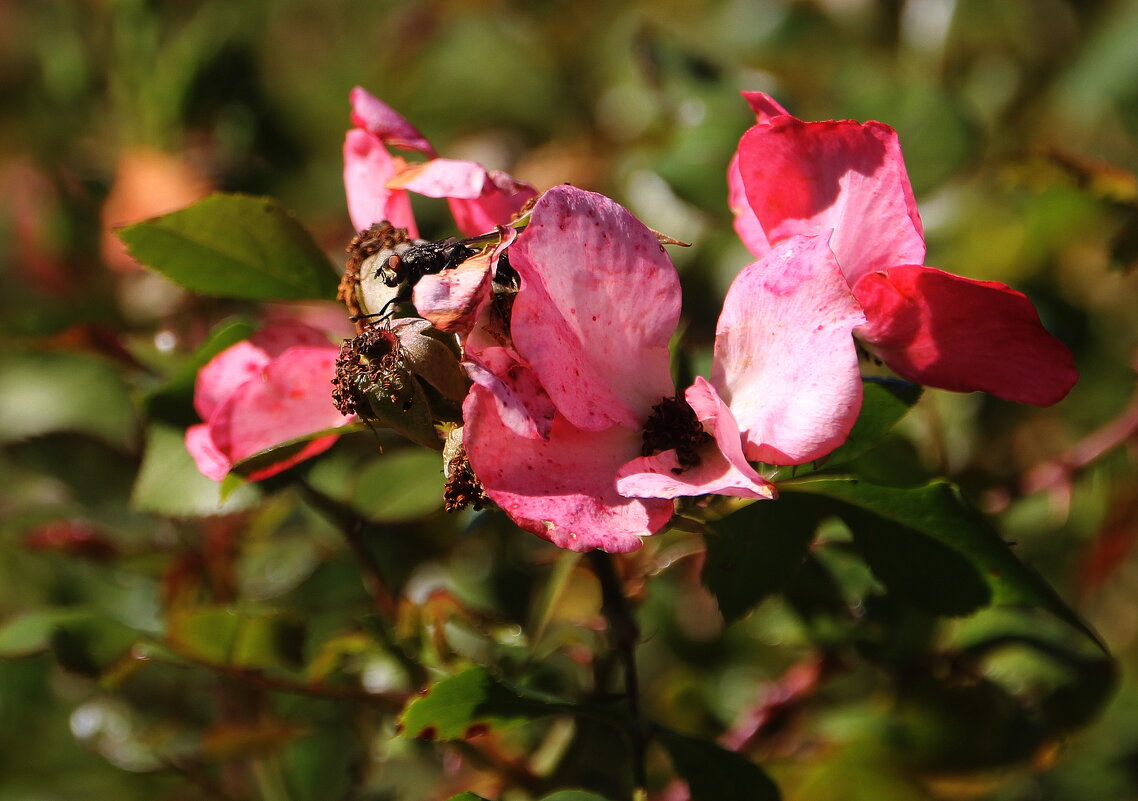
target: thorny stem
<point>625,634</point>
<point>352,526</point>
<point>392,702</point>
<point>1057,474</point>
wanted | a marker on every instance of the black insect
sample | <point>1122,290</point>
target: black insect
<point>428,258</point>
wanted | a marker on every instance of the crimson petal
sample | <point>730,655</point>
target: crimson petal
<point>813,177</point>
<point>939,329</point>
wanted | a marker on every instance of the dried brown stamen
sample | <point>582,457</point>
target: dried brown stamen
<point>463,488</point>
<point>371,361</point>
<point>673,424</point>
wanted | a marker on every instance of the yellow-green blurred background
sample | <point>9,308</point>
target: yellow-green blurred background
<point>1018,120</point>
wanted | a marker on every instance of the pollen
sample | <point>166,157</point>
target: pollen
<point>673,424</point>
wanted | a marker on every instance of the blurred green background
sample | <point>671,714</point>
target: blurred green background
<point>1019,123</point>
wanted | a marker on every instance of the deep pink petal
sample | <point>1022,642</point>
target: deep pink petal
<point>368,166</point>
<point>599,301</point>
<point>291,398</point>
<point>747,225</point>
<point>955,333</point>
<point>225,373</point>
<point>311,448</point>
<point>562,489</point>
<point>379,119</point>
<point>522,403</point>
<point>275,339</point>
<point>210,461</point>
<point>502,198</point>
<point>235,365</point>
<point>722,470</point>
<point>765,107</point>
<point>813,177</point>
<point>785,360</point>
<point>453,299</point>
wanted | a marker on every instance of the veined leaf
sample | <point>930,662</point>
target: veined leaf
<point>716,774</point>
<point>884,403</point>
<point>756,551</point>
<point>909,534</point>
<point>469,704</point>
<point>234,246</point>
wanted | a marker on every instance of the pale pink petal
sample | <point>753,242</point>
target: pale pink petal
<point>291,398</point>
<point>523,405</point>
<point>765,107</point>
<point>378,118</point>
<point>562,489</point>
<point>599,301</point>
<point>225,373</point>
<point>442,178</point>
<point>811,178</point>
<point>368,166</point>
<point>452,299</point>
<point>210,462</point>
<point>785,360</point>
<point>502,198</point>
<point>955,333</point>
<point>722,470</point>
<point>479,199</point>
<point>747,225</point>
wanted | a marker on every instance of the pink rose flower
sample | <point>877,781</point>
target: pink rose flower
<point>376,182</point>
<point>846,182</point>
<point>369,165</point>
<point>555,424</point>
<point>270,389</point>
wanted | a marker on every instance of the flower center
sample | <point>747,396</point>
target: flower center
<point>673,424</point>
<point>462,487</point>
<point>369,362</point>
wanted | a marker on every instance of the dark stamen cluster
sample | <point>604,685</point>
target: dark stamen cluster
<point>371,361</point>
<point>463,488</point>
<point>673,424</point>
<point>505,289</point>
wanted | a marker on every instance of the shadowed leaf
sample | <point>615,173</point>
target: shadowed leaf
<point>234,246</point>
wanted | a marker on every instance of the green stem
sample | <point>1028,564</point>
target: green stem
<point>625,635</point>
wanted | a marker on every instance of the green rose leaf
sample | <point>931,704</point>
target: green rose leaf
<point>400,485</point>
<point>169,483</point>
<point>469,704</point>
<point>222,636</point>
<point>234,246</point>
<point>716,774</point>
<point>30,632</point>
<point>932,549</point>
<point>48,392</point>
<point>884,403</point>
<point>756,551</point>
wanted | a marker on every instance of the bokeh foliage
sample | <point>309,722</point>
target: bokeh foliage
<point>156,648</point>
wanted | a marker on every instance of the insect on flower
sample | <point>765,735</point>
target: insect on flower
<point>385,265</point>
